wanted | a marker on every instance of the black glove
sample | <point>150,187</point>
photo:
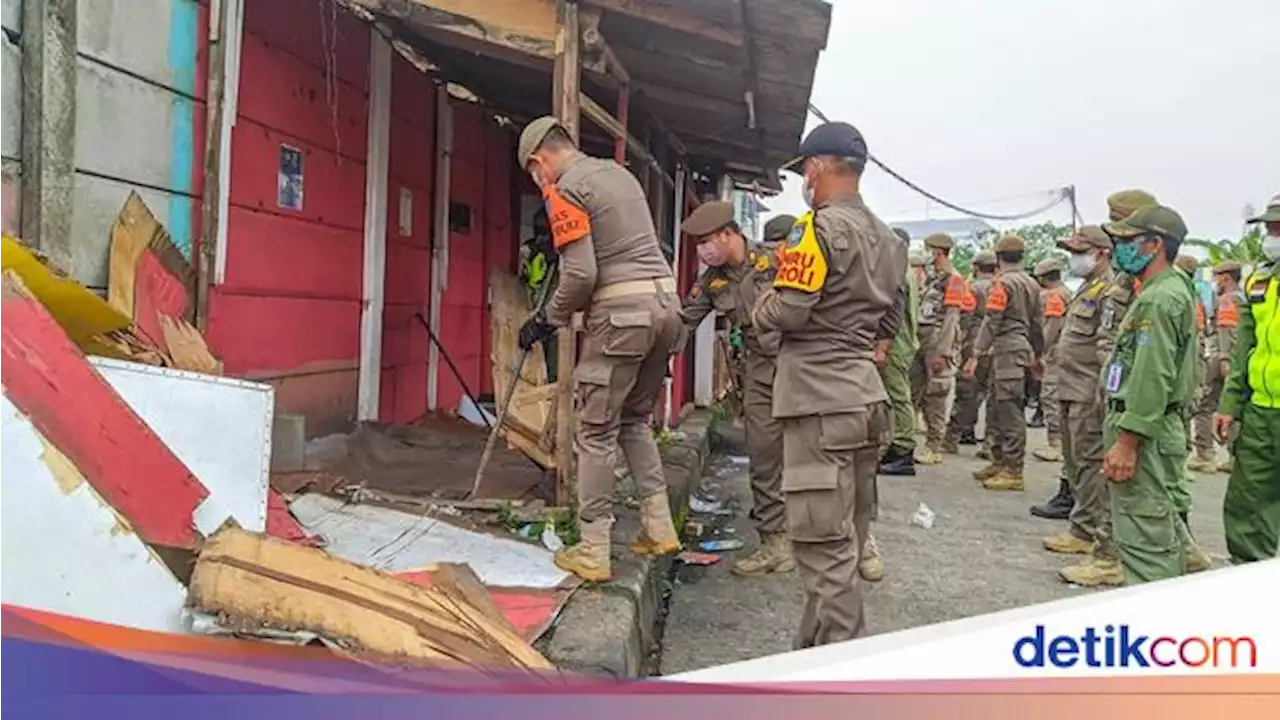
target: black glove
<point>535,330</point>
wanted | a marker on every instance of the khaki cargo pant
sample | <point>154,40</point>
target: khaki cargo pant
<point>828,477</point>
<point>1006,410</point>
<point>1082,449</point>
<point>764,445</point>
<point>1052,408</point>
<point>627,343</point>
<point>970,394</point>
<point>935,392</point>
<point>1202,418</point>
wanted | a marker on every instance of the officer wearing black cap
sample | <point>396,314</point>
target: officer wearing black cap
<point>837,293</point>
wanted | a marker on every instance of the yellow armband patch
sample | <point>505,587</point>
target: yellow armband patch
<point>801,263</point>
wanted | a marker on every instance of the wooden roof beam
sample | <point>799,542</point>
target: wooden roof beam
<point>600,116</point>
<point>674,18</point>
<point>522,27</point>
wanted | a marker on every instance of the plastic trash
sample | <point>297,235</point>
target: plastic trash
<point>550,540</point>
<point>525,531</point>
<point>720,545</point>
<point>923,517</point>
<point>697,558</point>
<point>703,505</point>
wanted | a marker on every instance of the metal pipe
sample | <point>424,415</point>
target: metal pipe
<point>675,264</point>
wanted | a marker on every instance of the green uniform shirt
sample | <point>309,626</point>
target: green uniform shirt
<point>1151,372</point>
<point>906,343</point>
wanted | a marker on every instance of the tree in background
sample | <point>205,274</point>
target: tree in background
<point>1247,250</point>
<point>1042,242</point>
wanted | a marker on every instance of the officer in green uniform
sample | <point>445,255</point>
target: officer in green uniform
<point>1147,382</point>
<point>536,260</point>
<point>895,358</point>
<point>1251,398</point>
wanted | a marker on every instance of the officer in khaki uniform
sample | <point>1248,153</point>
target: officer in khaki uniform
<point>1148,381</point>
<point>919,265</point>
<point>1220,342</point>
<point>1013,336</point>
<point>838,292</point>
<point>734,278</point>
<point>1054,297</point>
<point>612,269</point>
<point>971,393</point>
<point>1088,335</point>
<point>941,306</point>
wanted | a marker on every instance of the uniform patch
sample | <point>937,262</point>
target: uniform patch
<point>970,303</point>
<point>801,264</point>
<point>569,223</point>
<point>1095,289</point>
<point>1228,316</point>
<point>762,262</point>
<point>1054,306</point>
<point>696,291</point>
<point>1108,315</point>
<point>954,296</point>
<point>717,285</point>
<point>1144,338</point>
<point>998,298</point>
<point>1200,322</point>
<point>1115,373</point>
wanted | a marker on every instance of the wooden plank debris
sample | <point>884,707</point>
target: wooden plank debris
<point>252,581</point>
<point>531,413</point>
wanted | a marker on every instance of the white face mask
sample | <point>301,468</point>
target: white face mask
<point>807,193</point>
<point>1271,247</point>
<point>1081,265</point>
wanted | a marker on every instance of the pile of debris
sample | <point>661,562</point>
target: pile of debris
<point>129,462</point>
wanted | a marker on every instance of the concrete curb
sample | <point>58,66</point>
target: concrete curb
<point>609,628</point>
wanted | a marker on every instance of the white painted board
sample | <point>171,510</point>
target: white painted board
<point>397,541</point>
<point>64,551</point>
<point>220,428</point>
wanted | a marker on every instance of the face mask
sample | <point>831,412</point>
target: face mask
<point>1271,247</point>
<point>1129,257</point>
<point>807,191</point>
<point>711,255</point>
<point>1081,265</point>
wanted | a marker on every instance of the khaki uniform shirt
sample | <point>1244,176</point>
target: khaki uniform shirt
<point>1226,323</point>
<point>733,291</point>
<point>838,290</point>
<point>941,305</point>
<point>1089,332</point>
<point>601,226</point>
<point>974,310</point>
<point>1013,327</point>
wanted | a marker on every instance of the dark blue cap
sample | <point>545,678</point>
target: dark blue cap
<point>834,138</point>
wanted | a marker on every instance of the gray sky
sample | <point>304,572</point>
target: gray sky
<point>982,99</point>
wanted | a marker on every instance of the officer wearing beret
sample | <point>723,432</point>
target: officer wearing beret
<point>1013,336</point>
<point>971,392</point>
<point>838,293</point>
<point>1148,381</point>
<point>735,277</point>
<point>941,306</point>
<point>1054,297</point>
<point>613,270</point>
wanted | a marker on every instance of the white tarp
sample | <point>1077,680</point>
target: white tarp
<point>65,550</point>
<point>397,541</point>
<point>218,427</point>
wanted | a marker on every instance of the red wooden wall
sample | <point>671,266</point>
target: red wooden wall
<point>289,310</point>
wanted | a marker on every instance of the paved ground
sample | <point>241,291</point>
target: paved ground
<point>982,555</point>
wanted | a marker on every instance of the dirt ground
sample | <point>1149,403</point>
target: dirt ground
<point>982,555</point>
<point>435,457</point>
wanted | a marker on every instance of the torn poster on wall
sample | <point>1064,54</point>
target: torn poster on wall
<point>289,178</point>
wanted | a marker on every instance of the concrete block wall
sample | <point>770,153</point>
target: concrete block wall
<point>11,150</point>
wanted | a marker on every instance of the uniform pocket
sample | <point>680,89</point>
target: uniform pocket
<point>591,396</point>
<point>814,510</point>
<point>1010,388</point>
<point>1143,521</point>
<point>846,431</point>
<point>629,335</point>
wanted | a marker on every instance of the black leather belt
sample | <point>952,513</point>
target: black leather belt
<point>1119,406</point>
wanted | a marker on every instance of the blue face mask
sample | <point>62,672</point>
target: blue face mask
<point>1129,257</point>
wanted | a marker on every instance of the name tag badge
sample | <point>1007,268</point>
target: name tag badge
<point>1114,374</point>
<point>1108,316</point>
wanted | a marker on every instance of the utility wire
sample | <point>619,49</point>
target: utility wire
<point>1060,194</point>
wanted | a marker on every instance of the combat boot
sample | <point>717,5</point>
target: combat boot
<point>870,566</point>
<point>1096,572</point>
<point>1202,462</point>
<point>1057,507</point>
<point>1197,560</point>
<point>773,555</point>
<point>984,452</point>
<point>951,445</point>
<point>897,461</point>
<point>1006,479</point>
<point>589,559</point>
<point>928,456</point>
<point>1226,465</point>
<point>1049,453</point>
<point>657,533</point>
<point>986,473</point>
<point>1068,544</point>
